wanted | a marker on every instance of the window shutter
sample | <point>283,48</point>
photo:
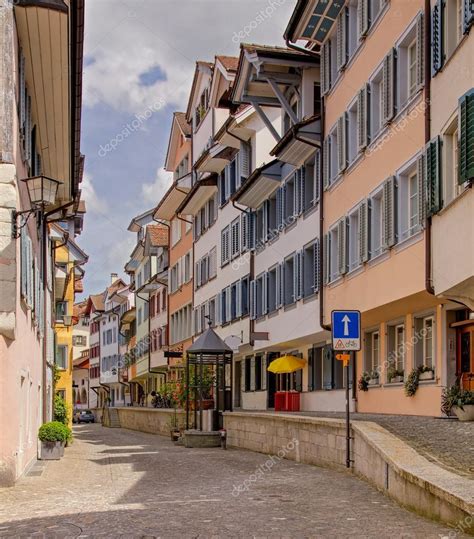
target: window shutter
<point>238,301</point>
<point>244,162</point>
<point>227,182</point>
<point>388,97</point>
<point>363,17</point>
<point>279,207</point>
<point>284,209</point>
<point>213,262</point>
<point>30,279</point>
<point>28,128</point>
<point>420,51</point>
<point>341,142</point>
<point>253,306</point>
<point>466,138</point>
<point>341,40</point>
<point>342,245</point>
<point>325,164</point>
<point>244,226</point>
<point>325,69</point>
<point>310,369</point>
<point>22,96</point>
<point>467,15</point>
<point>24,261</point>
<point>437,52</point>
<point>251,230</point>
<point>326,255</point>
<point>317,176</point>
<point>433,176</point>
<point>388,203</point>
<point>278,286</point>
<point>362,119</point>
<point>302,175</point>
<point>316,263</point>
<point>421,179</point>
<point>197,274</point>
<point>364,232</point>
<point>265,293</point>
<point>298,275</point>
<point>264,374</point>
<point>218,309</point>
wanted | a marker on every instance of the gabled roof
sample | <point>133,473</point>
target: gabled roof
<point>201,66</point>
<point>141,220</point>
<point>180,118</point>
<point>157,235</point>
<point>179,126</point>
<point>209,342</point>
<point>229,62</point>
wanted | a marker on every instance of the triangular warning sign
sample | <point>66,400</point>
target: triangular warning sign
<point>339,344</point>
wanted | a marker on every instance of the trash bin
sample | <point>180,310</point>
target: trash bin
<point>293,401</point>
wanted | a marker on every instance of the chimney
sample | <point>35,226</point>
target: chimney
<point>113,277</point>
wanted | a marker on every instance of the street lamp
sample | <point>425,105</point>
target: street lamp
<point>42,192</point>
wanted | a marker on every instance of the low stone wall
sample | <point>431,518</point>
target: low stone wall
<point>378,457</point>
<point>153,420</point>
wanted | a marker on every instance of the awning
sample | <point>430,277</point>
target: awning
<point>202,190</point>
<point>215,158</point>
<point>260,185</point>
<point>172,199</point>
<point>299,142</point>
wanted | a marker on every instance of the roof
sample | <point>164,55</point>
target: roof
<point>140,220</point>
<point>185,127</point>
<point>199,64</point>
<point>116,285</point>
<point>229,62</point>
<point>209,342</point>
<point>158,235</point>
<point>97,301</point>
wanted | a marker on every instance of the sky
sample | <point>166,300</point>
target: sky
<point>139,63</point>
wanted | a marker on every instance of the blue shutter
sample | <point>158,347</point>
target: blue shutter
<point>437,53</point>
<point>253,305</point>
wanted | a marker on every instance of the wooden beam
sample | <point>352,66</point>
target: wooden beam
<point>264,118</point>
<point>282,99</point>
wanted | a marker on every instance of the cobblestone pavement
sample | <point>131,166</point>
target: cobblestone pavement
<point>119,483</point>
<point>447,442</point>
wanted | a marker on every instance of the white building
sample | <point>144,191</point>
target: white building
<point>80,357</point>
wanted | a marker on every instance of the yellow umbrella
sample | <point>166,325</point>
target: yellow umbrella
<point>286,364</point>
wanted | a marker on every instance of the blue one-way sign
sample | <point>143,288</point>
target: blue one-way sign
<point>346,330</point>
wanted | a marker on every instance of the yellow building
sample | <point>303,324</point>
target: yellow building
<point>68,259</point>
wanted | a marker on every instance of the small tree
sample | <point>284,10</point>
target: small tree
<point>60,411</point>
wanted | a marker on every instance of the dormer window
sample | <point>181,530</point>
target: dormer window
<point>201,108</point>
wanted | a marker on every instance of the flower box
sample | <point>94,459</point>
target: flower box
<point>466,413</point>
<point>427,375</point>
<point>374,382</point>
<point>396,380</point>
<point>51,450</point>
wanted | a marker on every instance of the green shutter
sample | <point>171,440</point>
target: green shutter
<point>437,53</point>
<point>466,137</point>
<point>433,176</point>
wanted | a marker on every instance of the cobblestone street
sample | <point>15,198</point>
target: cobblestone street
<point>119,483</point>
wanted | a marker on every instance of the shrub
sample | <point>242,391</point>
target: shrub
<point>364,380</point>
<point>54,431</point>
<point>60,411</point>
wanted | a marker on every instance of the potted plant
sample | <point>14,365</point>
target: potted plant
<point>53,437</point>
<point>364,381</point>
<point>460,401</point>
<point>374,378</point>
<point>425,373</point>
<point>395,375</point>
<point>174,426</point>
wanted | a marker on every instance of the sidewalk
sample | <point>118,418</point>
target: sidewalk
<point>446,442</point>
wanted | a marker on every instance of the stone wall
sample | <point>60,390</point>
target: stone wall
<point>152,420</point>
<point>379,457</point>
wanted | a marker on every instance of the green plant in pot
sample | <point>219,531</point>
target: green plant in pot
<point>363,383</point>
<point>53,437</point>
<point>460,401</point>
<point>395,375</point>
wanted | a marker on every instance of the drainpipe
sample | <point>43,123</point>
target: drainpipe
<point>427,101</point>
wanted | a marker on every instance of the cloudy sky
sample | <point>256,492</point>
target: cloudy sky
<point>139,62</point>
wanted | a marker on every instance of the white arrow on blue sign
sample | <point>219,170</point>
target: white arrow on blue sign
<point>346,330</point>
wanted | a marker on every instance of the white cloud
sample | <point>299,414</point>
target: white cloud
<point>127,39</point>
<point>94,204</point>
<point>152,192</point>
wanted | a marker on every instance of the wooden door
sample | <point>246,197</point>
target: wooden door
<point>465,357</point>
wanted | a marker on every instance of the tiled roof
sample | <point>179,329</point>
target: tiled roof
<point>98,301</point>
<point>183,124</point>
<point>229,62</point>
<point>158,235</point>
<point>253,47</point>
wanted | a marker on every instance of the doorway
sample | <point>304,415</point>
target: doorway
<point>271,380</point>
<point>238,384</point>
<point>465,356</point>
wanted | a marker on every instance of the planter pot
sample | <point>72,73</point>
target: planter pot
<point>429,375</point>
<point>175,435</point>
<point>466,413</point>
<point>374,382</point>
<point>396,379</point>
<point>207,404</point>
<point>51,450</point>
<point>61,450</point>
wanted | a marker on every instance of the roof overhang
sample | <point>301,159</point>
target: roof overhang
<point>51,33</point>
<point>172,199</point>
<point>262,69</point>
<point>260,185</point>
<point>215,158</point>
<point>313,20</point>
<point>199,194</point>
<point>233,132</point>
<point>299,142</point>
<point>141,220</point>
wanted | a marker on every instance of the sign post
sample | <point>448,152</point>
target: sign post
<point>346,339</point>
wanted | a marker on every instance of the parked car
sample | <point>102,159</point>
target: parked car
<point>83,416</point>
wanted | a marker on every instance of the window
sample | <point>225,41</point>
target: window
<point>333,156</point>
<point>410,63</point>
<point>452,22</point>
<point>315,368</point>
<point>175,231</point>
<point>221,184</point>
<point>258,373</point>
<point>412,68</point>
<point>260,299</point>
<point>79,340</point>
<point>354,240</point>
<point>408,214</point>
<point>372,352</point>
<point>289,295</point>
<point>424,341</point>
<point>61,359</point>
<point>396,353</point>
<point>235,300</point>
<point>333,253</point>
<point>289,202</point>
<point>376,225</point>
<point>244,291</point>
<point>272,287</point>
<point>376,107</point>
<point>248,373</point>
<point>450,162</point>
<point>311,269</point>
<point>352,133</point>
<point>311,182</point>
<point>61,310</point>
